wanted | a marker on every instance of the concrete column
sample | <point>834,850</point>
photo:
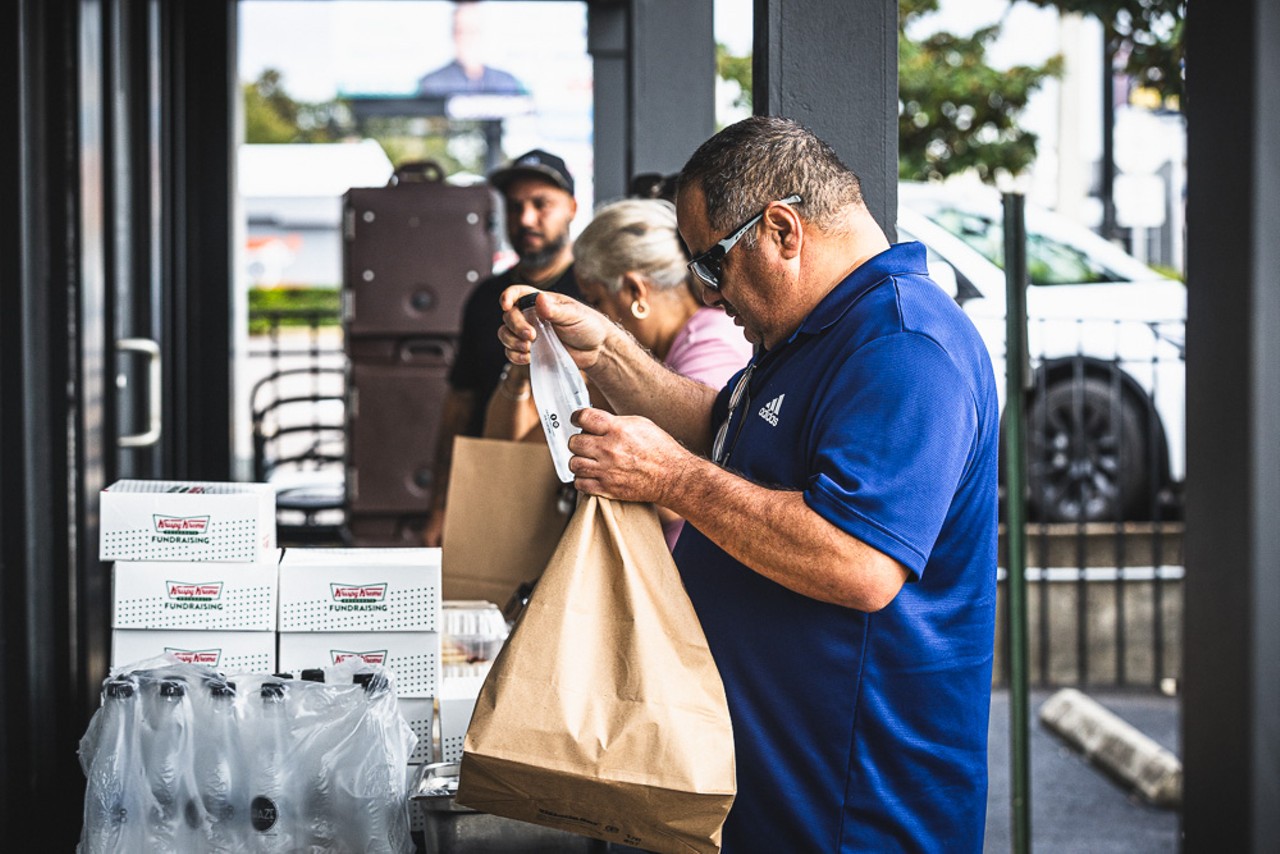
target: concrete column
<point>654,65</point>
<point>607,44</point>
<point>834,68</point>
<point>1231,708</point>
<point>673,82</point>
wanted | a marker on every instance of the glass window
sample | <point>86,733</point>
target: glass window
<point>1049,261</point>
<point>956,284</point>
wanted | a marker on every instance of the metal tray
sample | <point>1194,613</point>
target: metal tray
<point>452,829</point>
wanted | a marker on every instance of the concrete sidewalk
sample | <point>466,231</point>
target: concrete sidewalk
<point>1075,806</point>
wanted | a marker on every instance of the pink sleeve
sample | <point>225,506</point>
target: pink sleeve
<point>709,349</point>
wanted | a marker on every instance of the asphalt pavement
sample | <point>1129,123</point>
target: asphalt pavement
<point>1076,806</point>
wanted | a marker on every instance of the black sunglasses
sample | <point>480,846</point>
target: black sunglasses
<point>706,266</point>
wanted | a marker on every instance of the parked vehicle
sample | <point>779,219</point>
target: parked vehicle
<point>1106,405</point>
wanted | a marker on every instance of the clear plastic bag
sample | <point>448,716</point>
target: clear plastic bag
<point>558,387</point>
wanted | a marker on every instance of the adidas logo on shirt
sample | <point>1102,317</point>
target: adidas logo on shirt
<point>769,412</point>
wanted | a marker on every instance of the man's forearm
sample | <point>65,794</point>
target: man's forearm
<point>775,533</point>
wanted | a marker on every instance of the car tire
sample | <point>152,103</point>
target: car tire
<point>1087,459</point>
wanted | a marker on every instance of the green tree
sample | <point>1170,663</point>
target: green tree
<point>1147,34</point>
<point>956,113</point>
<point>735,69</point>
<point>264,122</point>
<point>271,115</point>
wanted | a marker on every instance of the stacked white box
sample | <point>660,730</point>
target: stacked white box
<point>187,520</point>
<point>457,703</point>
<point>419,714</point>
<point>381,605</point>
<point>196,595</point>
<point>222,615</point>
<point>228,651</point>
<point>194,572</point>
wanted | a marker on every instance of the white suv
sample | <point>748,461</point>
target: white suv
<point>1106,409</point>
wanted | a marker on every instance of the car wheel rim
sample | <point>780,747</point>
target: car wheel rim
<point>1077,466</point>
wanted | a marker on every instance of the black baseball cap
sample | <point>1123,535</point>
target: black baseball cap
<point>534,164</point>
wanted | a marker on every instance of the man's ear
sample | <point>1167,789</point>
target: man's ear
<point>785,225</point>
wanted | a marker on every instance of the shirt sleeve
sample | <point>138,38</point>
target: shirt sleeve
<point>892,440</point>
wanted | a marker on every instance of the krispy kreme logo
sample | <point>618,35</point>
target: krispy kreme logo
<point>202,592</point>
<point>181,524</point>
<point>186,596</point>
<point>378,656</point>
<point>358,594</point>
<point>196,656</point>
<point>358,597</point>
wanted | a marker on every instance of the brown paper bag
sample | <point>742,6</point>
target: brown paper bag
<point>502,521</point>
<point>604,713</point>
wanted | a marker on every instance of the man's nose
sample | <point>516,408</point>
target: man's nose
<point>709,296</point>
<point>528,216</point>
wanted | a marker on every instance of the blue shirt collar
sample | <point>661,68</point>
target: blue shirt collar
<point>899,259</point>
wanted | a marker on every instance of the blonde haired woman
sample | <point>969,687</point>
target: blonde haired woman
<point>630,266</point>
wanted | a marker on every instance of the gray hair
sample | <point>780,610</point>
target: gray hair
<point>632,235</point>
<point>765,158</point>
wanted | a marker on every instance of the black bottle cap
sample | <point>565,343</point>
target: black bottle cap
<point>526,301</point>
<point>120,688</point>
<point>313,674</point>
<point>373,682</point>
<point>173,688</point>
<point>272,691</point>
<point>222,689</point>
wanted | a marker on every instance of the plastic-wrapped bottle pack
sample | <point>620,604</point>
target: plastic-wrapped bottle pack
<point>113,806</point>
<point>181,757</point>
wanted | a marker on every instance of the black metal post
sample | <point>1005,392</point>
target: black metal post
<point>1017,378</point>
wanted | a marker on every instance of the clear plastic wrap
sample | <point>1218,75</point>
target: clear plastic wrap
<point>219,763</point>
<point>175,818</point>
<point>275,818</point>
<point>114,802</point>
<point>474,632</point>
<point>558,387</point>
<point>246,762</point>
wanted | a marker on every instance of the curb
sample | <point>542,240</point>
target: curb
<point>1115,745</point>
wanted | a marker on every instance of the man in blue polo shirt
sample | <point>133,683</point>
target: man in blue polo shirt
<point>840,493</point>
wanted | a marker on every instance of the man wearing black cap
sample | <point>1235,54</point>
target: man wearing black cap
<point>538,193</point>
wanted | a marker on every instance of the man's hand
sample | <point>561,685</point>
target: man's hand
<point>627,376</point>
<point>582,329</point>
<point>626,457</point>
